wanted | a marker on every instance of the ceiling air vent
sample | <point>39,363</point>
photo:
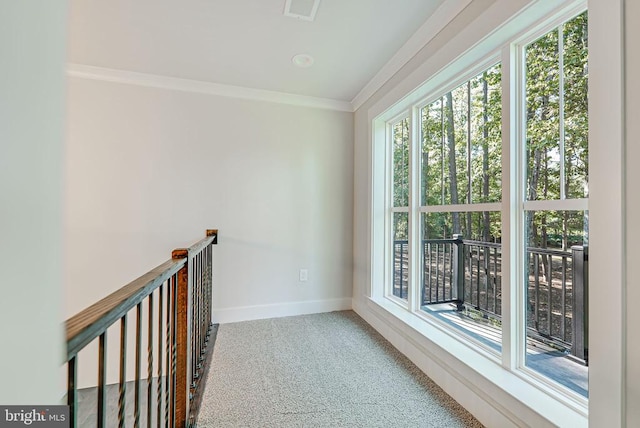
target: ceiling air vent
<point>301,9</point>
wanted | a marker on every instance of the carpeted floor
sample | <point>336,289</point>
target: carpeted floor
<point>323,370</point>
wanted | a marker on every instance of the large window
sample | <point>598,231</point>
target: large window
<point>459,213</point>
<point>555,208</point>
<point>447,218</point>
<point>400,206</point>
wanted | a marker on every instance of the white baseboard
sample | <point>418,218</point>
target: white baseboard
<point>278,310</point>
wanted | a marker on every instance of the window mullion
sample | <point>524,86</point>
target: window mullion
<point>511,203</point>
<point>414,210</point>
<point>561,112</point>
<point>469,199</point>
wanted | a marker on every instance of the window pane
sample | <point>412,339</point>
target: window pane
<point>400,255</point>
<point>486,136</point>
<point>401,163</point>
<point>462,277</point>
<point>575,107</point>
<point>543,123</point>
<point>457,146</point>
<point>432,160</point>
<point>461,143</point>
<point>556,313</point>
<point>478,226</point>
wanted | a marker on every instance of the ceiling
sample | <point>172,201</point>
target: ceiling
<point>247,43</point>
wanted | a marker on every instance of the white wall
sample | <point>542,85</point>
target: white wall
<point>149,169</point>
<point>632,158</point>
<point>32,87</point>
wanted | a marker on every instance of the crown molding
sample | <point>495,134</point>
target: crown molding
<point>427,31</point>
<point>187,85</point>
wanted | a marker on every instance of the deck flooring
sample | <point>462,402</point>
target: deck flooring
<point>544,359</point>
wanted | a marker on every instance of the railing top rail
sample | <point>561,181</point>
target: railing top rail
<point>549,251</point>
<point>439,241</point>
<point>211,238</point>
<point>482,243</point>
<point>91,322</point>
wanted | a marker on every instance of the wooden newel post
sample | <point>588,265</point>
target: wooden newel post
<point>580,321</point>
<point>458,270</point>
<point>214,233</point>
<point>183,346</point>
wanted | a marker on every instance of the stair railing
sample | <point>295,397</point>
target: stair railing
<point>176,299</point>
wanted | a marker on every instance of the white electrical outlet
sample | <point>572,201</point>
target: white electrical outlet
<point>304,275</point>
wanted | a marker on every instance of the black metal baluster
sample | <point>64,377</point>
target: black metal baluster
<point>430,249</point>
<point>168,347</point>
<point>448,266</point>
<point>197,316</point>
<point>401,269</point>
<point>200,312</point>
<point>395,268</point>
<point>443,288</point>
<point>471,266</point>
<point>72,390</point>
<point>452,277</point>
<point>203,304</point>
<point>122,388</point>
<point>485,265</point>
<point>424,274</point>
<point>192,315</point>
<point>136,387</point>
<point>437,271</point>
<point>495,282</point>
<point>536,277</point>
<point>102,377</point>
<point>549,299</point>
<point>563,299</point>
<point>149,359</point>
<point>211,285</point>
<point>174,312</point>
<point>478,276</point>
<point>159,387</point>
<point>203,309</point>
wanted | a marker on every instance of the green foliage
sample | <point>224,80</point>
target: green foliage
<point>401,163</point>
<point>466,121</point>
<point>461,145</point>
<point>557,121</point>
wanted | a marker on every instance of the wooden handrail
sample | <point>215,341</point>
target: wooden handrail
<point>91,322</point>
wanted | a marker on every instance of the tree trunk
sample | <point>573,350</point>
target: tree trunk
<point>453,177</point>
<point>485,155</point>
<point>545,238</point>
<point>469,175</point>
<point>536,155</point>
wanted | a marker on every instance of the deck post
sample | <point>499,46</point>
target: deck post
<point>458,270</point>
<point>580,320</point>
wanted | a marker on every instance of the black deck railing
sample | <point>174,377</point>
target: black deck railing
<point>176,300</point>
<point>468,274</point>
